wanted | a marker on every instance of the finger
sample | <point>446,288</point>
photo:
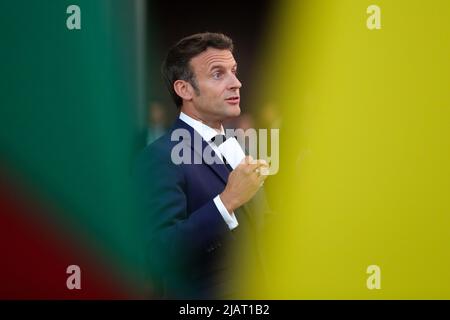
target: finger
<point>262,177</point>
<point>249,168</point>
<point>253,169</point>
<point>255,166</point>
<point>263,162</point>
<point>248,160</point>
<point>259,175</point>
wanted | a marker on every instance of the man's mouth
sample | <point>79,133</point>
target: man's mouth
<point>233,100</point>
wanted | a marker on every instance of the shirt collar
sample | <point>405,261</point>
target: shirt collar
<point>206,132</point>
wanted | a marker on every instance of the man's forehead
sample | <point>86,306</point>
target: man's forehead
<point>212,57</point>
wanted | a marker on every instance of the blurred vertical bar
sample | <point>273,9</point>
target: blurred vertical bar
<point>364,171</point>
<point>72,107</point>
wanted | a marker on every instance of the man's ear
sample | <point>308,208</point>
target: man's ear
<point>183,89</point>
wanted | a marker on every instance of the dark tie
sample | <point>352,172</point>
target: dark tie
<point>218,140</point>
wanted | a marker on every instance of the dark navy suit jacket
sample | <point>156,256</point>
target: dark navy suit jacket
<point>189,245</point>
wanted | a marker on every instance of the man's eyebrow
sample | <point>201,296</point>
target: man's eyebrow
<point>216,66</point>
<point>220,66</point>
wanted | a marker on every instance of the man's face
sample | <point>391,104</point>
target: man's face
<point>215,76</point>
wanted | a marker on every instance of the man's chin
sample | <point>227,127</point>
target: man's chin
<point>233,111</point>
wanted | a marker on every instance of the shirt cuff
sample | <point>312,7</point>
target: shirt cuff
<point>230,219</point>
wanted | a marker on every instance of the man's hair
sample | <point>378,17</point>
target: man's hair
<point>176,65</point>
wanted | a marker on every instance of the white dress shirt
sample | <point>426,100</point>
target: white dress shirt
<point>207,133</point>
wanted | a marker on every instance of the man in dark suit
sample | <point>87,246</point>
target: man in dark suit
<point>197,213</point>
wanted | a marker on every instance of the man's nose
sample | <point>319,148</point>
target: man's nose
<point>235,83</point>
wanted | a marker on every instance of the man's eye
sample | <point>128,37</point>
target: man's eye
<point>216,75</point>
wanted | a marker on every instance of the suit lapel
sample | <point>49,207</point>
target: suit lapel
<point>217,167</point>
